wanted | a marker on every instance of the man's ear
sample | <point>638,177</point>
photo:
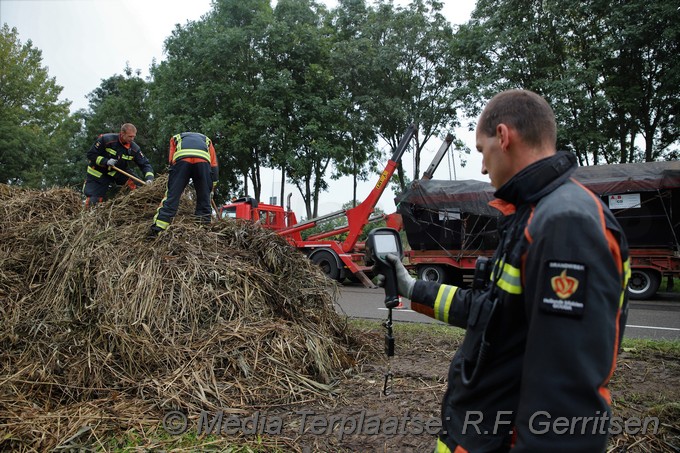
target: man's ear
<point>503,133</point>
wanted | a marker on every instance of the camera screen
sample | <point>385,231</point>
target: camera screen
<point>385,243</point>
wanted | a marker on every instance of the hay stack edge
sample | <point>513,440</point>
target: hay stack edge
<point>103,330</point>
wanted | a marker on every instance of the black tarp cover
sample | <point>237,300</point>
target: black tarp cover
<point>473,196</point>
<point>468,195</point>
<point>655,223</point>
<point>638,177</point>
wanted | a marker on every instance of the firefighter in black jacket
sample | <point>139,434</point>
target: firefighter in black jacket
<point>109,150</point>
<point>192,156</point>
<point>543,330</point>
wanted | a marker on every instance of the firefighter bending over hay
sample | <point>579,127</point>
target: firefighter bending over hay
<point>192,156</point>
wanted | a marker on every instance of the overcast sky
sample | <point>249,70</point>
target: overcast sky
<point>86,41</point>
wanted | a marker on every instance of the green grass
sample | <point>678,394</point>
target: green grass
<point>641,345</point>
<point>676,285</point>
<point>416,328</point>
<point>667,347</point>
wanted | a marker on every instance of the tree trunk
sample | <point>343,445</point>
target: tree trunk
<point>257,179</point>
<point>623,144</point>
<point>400,173</point>
<point>283,184</point>
<point>416,165</point>
<point>649,146</point>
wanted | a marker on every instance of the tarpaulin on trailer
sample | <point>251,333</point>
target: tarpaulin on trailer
<point>449,215</point>
<point>469,195</point>
<point>620,178</point>
<point>455,215</point>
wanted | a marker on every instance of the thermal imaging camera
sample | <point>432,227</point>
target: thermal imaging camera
<point>380,243</point>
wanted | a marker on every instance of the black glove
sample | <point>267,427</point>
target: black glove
<point>405,282</point>
<point>110,163</point>
<point>149,179</point>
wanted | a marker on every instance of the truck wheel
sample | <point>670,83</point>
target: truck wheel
<point>643,283</point>
<point>329,263</point>
<point>432,273</point>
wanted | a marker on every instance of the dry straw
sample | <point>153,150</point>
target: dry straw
<point>102,327</point>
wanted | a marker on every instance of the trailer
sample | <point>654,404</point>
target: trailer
<point>449,224</point>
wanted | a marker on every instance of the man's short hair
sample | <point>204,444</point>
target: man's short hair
<point>128,127</point>
<point>523,110</point>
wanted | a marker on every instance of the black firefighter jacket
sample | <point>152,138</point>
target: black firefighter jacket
<point>108,146</point>
<point>542,339</point>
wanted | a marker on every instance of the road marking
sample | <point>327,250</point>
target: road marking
<point>653,328</point>
<point>406,310</point>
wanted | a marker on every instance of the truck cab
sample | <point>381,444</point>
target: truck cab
<point>270,216</point>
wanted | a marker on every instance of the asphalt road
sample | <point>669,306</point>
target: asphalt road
<point>652,319</point>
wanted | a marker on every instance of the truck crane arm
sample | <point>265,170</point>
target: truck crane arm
<point>357,217</point>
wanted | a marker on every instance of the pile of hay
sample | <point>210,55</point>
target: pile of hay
<point>101,327</point>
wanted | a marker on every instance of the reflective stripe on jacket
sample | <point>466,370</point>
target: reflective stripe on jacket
<point>194,147</point>
<point>190,144</point>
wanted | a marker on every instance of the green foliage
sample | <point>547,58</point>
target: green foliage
<point>30,113</point>
<point>300,47</point>
<point>66,163</point>
<point>414,77</point>
<point>310,92</point>
<point>212,82</point>
<point>124,99</point>
<point>351,59</point>
<point>608,70</point>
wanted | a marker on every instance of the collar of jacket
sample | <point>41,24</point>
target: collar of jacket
<point>538,179</point>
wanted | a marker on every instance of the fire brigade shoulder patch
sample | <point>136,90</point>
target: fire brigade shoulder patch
<point>564,289</point>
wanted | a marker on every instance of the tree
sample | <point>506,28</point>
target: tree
<point>607,69</point>
<point>30,113</point>
<point>308,118</point>
<point>66,163</point>
<point>124,99</point>
<point>351,57</point>
<point>414,80</point>
<point>211,83</point>
<point>641,71</point>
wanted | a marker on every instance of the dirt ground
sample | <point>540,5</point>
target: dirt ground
<point>362,419</point>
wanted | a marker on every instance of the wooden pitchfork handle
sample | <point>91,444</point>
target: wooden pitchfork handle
<point>133,177</point>
<point>214,206</point>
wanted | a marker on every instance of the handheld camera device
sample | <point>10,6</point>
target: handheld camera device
<point>379,243</point>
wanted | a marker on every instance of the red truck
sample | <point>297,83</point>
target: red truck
<point>270,216</point>
<point>449,223</point>
<point>339,259</point>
